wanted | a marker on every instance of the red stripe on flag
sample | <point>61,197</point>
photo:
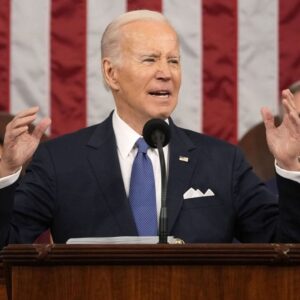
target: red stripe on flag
<point>4,55</point>
<point>289,46</point>
<point>68,65</point>
<point>144,4</point>
<point>220,69</point>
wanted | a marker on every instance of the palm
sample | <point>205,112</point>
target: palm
<point>19,150</point>
<point>19,144</point>
<point>284,141</point>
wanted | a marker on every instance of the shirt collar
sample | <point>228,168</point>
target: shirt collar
<point>126,137</point>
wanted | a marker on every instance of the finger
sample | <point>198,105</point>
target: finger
<point>24,117</point>
<point>289,106</point>
<point>13,134</point>
<point>27,112</point>
<point>18,122</point>
<point>294,120</point>
<point>289,97</point>
<point>41,128</point>
<point>268,118</point>
<point>286,93</point>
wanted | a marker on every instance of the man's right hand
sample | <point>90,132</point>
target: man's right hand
<point>19,145</point>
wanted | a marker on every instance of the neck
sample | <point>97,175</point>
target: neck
<point>136,125</point>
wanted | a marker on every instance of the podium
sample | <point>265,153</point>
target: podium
<point>194,271</point>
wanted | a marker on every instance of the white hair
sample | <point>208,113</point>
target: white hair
<point>295,87</point>
<point>110,42</point>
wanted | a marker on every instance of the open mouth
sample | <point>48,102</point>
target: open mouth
<point>160,93</point>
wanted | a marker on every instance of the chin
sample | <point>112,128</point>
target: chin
<point>163,113</point>
<point>160,116</point>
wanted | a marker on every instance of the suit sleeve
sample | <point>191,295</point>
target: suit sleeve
<point>27,209</point>
<point>261,216</point>
<point>6,210</point>
<point>289,207</point>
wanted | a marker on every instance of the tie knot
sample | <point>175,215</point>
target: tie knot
<point>142,145</point>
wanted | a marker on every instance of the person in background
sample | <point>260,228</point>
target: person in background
<point>84,184</point>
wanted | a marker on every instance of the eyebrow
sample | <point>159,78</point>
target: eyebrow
<point>175,56</point>
<point>149,55</point>
<point>158,55</point>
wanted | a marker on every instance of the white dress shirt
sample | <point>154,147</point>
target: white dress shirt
<point>126,138</point>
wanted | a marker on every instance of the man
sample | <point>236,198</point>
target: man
<point>79,184</point>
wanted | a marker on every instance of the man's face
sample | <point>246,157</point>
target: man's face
<point>149,75</point>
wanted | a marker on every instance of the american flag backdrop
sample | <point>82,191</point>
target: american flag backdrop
<point>236,57</point>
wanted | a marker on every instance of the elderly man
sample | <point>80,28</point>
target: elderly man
<point>81,185</point>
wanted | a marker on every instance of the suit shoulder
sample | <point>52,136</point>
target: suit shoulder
<point>200,139</point>
<point>82,137</point>
<point>75,138</point>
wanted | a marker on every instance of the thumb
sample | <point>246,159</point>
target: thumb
<point>41,128</point>
<point>268,118</point>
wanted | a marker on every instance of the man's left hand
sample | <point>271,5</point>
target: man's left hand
<point>284,140</point>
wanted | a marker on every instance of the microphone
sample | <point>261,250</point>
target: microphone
<point>156,133</point>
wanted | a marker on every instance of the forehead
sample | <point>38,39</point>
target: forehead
<point>154,34</point>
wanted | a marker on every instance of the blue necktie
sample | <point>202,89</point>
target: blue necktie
<point>142,192</point>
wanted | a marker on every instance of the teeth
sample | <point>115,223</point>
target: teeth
<point>161,94</point>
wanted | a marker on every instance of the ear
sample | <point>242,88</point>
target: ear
<point>110,73</point>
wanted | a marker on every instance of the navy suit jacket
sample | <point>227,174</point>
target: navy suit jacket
<point>74,186</point>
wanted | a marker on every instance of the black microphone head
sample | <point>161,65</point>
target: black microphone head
<point>156,133</point>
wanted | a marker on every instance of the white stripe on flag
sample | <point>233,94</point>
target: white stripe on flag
<point>30,70</point>
<point>99,100</point>
<point>258,61</point>
<point>186,17</point>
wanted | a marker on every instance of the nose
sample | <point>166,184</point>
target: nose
<point>163,71</point>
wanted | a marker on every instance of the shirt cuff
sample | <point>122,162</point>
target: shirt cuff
<point>292,175</point>
<point>9,180</point>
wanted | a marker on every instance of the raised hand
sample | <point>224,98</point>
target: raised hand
<point>19,145</point>
<point>284,141</point>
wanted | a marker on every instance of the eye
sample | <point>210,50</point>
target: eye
<point>149,59</point>
<point>174,61</point>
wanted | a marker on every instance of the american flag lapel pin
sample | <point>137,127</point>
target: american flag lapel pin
<point>184,158</point>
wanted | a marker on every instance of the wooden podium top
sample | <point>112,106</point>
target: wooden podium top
<point>154,254</point>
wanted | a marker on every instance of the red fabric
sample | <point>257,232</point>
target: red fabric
<point>68,65</point>
<point>289,45</point>
<point>4,54</point>
<point>44,238</point>
<point>68,61</point>
<point>144,4</point>
<point>220,69</point>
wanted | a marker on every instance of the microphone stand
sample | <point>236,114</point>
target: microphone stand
<point>163,217</point>
<point>157,134</point>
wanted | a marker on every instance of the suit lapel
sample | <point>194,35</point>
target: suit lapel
<point>103,159</point>
<point>180,171</point>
